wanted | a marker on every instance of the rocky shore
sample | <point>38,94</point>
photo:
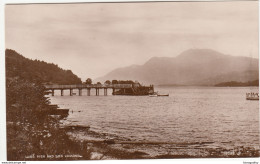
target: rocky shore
<point>103,146</point>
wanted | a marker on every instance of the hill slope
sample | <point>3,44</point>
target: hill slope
<point>19,66</point>
<point>192,67</point>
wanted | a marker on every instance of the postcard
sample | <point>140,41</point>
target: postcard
<point>132,80</point>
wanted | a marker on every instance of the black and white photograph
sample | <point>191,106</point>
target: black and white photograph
<point>132,80</point>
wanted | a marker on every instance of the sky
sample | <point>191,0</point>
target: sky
<point>92,39</point>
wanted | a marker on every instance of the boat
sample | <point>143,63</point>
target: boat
<point>156,94</point>
<point>252,96</point>
<point>163,95</point>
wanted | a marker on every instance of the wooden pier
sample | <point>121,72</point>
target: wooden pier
<point>55,110</point>
<point>97,87</point>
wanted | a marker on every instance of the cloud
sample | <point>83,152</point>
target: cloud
<point>94,38</point>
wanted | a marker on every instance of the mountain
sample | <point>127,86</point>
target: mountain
<point>238,84</point>
<point>192,67</point>
<point>35,70</point>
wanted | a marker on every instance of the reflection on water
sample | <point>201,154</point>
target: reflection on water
<point>222,116</point>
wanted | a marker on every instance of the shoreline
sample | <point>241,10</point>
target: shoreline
<point>103,148</point>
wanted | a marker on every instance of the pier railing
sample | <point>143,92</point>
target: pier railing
<point>124,88</point>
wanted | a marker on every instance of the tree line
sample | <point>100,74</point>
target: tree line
<point>36,70</point>
<point>108,82</point>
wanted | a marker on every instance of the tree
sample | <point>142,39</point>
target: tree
<point>89,81</point>
<point>114,82</point>
<point>108,82</point>
<point>28,106</point>
<point>98,83</point>
<point>32,70</point>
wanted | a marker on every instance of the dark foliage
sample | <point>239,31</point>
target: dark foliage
<point>122,82</point>
<point>25,101</point>
<point>27,142</point>
<point>31,131</point>
<point>108,82</point>
<point>114,82</point>
<point>35,70</point>
<point>125,82</point>
<point>89,81</point>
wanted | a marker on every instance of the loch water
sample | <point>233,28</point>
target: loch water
<point>220,116</point>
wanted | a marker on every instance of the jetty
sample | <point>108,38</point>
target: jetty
<point>55,110</point>
<point>118,89</point>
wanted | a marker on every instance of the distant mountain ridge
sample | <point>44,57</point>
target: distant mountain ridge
<point>18,66</point>
<point>238,84</point>
<point>192,67</point>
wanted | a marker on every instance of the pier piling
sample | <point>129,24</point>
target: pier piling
<point>113,91</point>
<point>97,92</point>
<point>88,91</point>
<point>80,92</point>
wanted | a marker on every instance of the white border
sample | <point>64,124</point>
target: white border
<point>3,156</point>
<point>2,86</point>
<point>87,1</point>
